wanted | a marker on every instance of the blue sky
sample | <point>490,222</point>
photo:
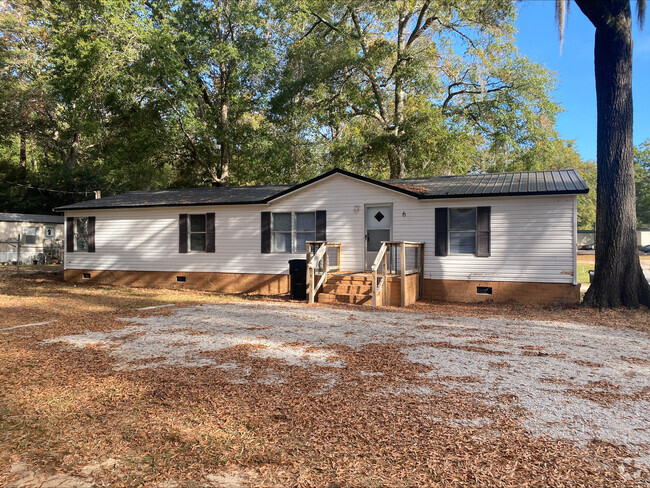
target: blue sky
<point>576,90</point>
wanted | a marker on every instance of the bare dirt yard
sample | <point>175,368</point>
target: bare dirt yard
<point>101,389</point>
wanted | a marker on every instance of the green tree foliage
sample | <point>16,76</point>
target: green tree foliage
<point>119,95</point>
<point>415,86</point>
<point>642,173</point>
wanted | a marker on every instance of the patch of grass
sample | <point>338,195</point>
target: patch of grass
<point>583,273</point>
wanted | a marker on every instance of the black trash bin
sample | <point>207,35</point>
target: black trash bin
<point>298,276</point>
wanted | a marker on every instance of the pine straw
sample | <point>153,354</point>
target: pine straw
<point>61,409</point>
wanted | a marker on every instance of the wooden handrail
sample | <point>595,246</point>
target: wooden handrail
<point>380,256</point>
<point>375,265</point>
<point>380,287</point>
<point>318,256</point>
<point>313,264</point>
<point>311,270</point>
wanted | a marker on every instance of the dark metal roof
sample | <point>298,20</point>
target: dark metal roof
<point>20,217</point>
<point>555,182</point>
<point>562,181</point>
<point>221,195</point>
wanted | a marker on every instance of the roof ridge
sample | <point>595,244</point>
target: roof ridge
<point>483,174</point>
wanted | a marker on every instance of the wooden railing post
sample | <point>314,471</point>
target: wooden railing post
<point>374,287</point>
<point>421,270</point>
<point>308,257</point>
<point>403,272</point>
<point>384,284</point>
<point>310,280</point>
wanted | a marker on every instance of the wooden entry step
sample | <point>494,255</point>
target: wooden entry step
<point>349,288</point>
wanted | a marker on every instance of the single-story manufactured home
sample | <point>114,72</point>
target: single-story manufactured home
<point>40,237</point>
<point>501,237</point>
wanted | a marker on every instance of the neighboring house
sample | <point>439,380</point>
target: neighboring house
<point>509,236</point>
<point>643,237</point>
<point>40,237</point>
<point>586,239</point>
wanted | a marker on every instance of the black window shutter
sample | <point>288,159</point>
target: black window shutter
<point>442,216</point>
<point>69,234</point>
<point>483,231</point>
<point>209,229</point>
<point>321,225</point>
<point>182,233</point>
<point>91,234</point>
<point>266,232</point>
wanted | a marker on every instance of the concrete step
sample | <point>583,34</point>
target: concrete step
<point>347,288</point>
<point>354,299</point>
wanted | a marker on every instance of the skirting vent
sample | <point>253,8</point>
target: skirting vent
<point>484,290</point>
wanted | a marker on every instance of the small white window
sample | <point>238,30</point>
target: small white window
<point>81,234</point>
<point>30,235</point>
<point>50,232</point>
<point>197,234</point>
<point>462,230</point>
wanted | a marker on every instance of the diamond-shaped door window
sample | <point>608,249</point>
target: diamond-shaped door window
<point>379,216</point>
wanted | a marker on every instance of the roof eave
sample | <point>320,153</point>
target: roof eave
<point>203,204</point>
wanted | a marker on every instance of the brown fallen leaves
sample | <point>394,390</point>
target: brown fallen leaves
<point>62,409</point>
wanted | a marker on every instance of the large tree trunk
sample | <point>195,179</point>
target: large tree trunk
<point>223,176</point>
<point>618,279</point>
<point>23,150</point>
<point>74,149</point>
<point>396,157</point>
<point>396,160</point>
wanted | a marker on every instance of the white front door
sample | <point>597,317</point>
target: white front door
<point>378,228</point>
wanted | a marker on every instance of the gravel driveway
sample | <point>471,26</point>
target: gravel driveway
<point>573,381</point>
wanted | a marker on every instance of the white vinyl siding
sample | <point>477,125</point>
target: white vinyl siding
<point>532,238</point>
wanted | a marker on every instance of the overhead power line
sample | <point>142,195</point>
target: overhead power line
<point>48,189</point>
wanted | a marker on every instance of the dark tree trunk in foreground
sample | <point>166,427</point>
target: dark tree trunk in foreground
<point>23,150</point>
<point>618,279</point>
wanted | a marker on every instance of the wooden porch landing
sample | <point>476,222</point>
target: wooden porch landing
<point>395,280</point>
<point>354,287</point>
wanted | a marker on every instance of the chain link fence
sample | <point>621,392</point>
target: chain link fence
<point>16,256</point>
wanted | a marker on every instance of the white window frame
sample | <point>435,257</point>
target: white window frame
<point>189,233</point>
<point>78,234</point>
<point>30,234</point>
<point>293,232</point>
<point>449,231</point>
<point>53,229</point>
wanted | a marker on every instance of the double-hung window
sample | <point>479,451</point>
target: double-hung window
<point>30,235</point>
<point>81,234</point>
<point>305,230</point>
<point>197,233</point>
<point>281,232</point>
<point>462,230</point>
<point>290,231</point>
